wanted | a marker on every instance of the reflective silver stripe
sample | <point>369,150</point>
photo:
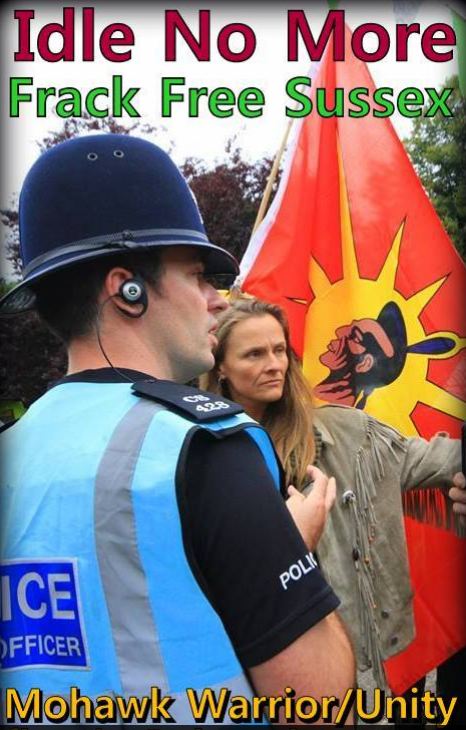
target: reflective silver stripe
<point>116,240</point>
<point>134,631</point>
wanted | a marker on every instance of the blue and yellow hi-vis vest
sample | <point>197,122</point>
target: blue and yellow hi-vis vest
<point>96,589</point>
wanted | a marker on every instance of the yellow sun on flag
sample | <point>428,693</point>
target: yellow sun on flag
<point>348,356</point>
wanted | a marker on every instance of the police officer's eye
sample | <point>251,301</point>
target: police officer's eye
<point>209,279</point>
<point>198,275</point>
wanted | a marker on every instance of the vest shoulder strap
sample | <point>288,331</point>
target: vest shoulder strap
<point>193,403</point>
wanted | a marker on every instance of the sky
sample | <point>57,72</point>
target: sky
<point>203,137</point>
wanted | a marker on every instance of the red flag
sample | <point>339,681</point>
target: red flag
<point>352,238</point>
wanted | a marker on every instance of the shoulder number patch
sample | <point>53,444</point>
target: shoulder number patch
<point>192,402</point>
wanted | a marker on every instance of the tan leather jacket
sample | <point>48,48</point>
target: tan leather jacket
<point>363,549</point>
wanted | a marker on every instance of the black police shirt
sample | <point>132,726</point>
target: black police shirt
<point>241,541</point>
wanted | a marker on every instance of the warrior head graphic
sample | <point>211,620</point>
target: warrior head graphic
<point>368,354</point>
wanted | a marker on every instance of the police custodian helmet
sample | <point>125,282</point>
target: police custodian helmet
<point>99,195</point>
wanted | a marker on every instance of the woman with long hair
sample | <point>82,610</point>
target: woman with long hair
<point>362,550</point>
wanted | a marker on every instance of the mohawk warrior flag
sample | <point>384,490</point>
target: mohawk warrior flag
<point>355,253</point>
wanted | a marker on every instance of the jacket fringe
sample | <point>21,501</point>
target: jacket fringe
<point>382,442</point>
<point>433,506</point>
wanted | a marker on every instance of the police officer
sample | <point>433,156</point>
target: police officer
<point>145,540</point>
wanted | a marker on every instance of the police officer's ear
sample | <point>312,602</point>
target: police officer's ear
<point>127,292</point>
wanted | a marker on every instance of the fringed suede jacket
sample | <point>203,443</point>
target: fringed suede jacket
<point>380,476</point>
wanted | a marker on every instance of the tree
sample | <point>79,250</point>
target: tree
<point>437,147</point>
<point>9,218</point>
<point>228,194</point>
<point>31,357</point>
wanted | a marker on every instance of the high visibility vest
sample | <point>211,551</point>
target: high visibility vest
<point>97,590</point>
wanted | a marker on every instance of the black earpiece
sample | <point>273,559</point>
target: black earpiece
<point>133,291</point>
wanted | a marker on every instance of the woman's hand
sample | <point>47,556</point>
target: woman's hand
<point>310,512</point>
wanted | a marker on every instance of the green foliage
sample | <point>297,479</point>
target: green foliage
<point>437,147</point>
<point>9,218</point>
<point>5,286</point>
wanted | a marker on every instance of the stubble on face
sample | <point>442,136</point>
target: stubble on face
<point>184,310</point>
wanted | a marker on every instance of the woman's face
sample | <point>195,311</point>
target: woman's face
<point>255,361</point>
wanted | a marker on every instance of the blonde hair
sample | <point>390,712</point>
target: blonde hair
<point>288,420</point>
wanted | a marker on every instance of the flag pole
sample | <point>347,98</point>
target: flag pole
<point>333,4</point>
<point>271,179</point>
